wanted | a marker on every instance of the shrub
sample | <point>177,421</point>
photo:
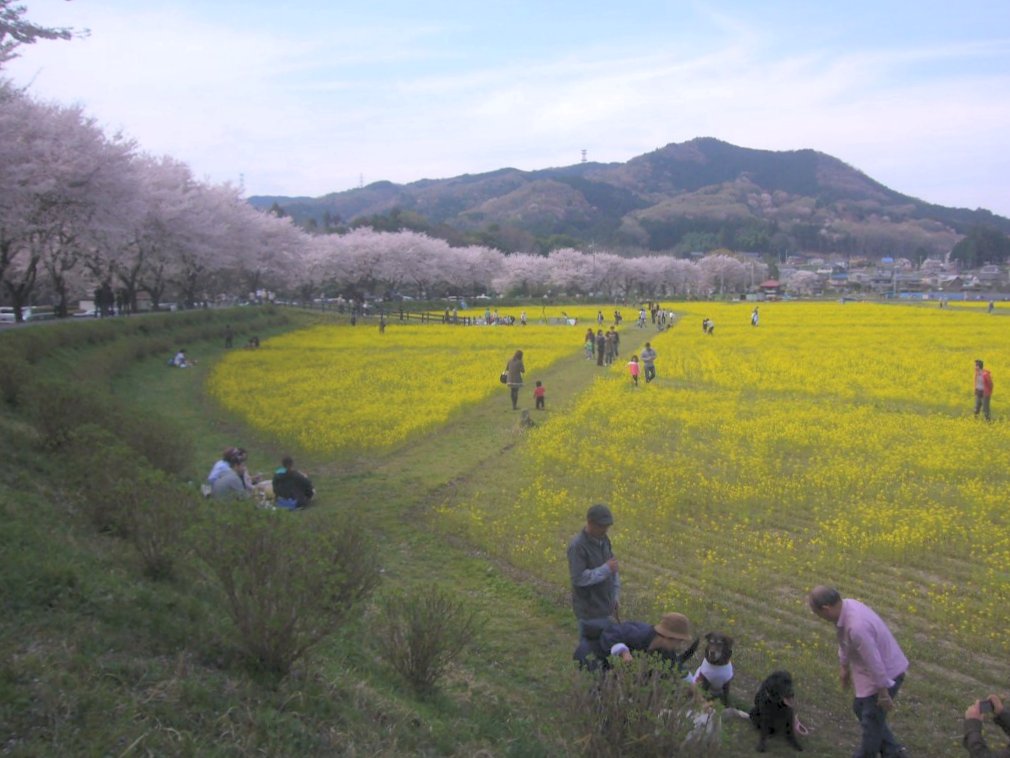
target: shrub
<point>287,583</point>
<point>640,708</point>
<point>166,442</point>
<point>57,408</point>
<point>423,634</point>
<point>121,493</point>
<point>158,522</point>
<point>15,373</point>
<point>105,475</point>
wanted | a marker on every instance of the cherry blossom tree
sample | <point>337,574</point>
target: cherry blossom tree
<point>802,283</point>
<point>609,274</point>
<point>58,175</point>
<point>474,269</point>
<point>681,277</point>
<point>522,274</point>
<point>723,273</point>
<point>570,271</point>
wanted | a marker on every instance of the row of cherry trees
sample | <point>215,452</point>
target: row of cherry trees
<point>80,209</point>
<point>365,261</point>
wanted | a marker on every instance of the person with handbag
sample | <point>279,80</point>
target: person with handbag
<point>515,370</point>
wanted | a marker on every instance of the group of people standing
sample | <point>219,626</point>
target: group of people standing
<point>604,346</point>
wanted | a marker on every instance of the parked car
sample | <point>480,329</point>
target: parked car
<point>28,313</point>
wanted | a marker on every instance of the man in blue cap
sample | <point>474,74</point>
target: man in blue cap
<point>596,585</point>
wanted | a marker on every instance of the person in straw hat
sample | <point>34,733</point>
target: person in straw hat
<point>671,638</point>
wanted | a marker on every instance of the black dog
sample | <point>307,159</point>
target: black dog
<point>716,673</point>
<point>773,709</point>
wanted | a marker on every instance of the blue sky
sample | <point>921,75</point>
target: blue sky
<point>307,97</point>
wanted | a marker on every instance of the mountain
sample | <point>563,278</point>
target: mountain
<point>695,195</point>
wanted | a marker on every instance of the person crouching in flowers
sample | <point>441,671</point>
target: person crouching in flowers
<point>633,369</point>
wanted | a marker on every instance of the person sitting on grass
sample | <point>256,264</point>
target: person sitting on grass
<point>229,455</point>
<point>230,485</point>
<point>292,488</point>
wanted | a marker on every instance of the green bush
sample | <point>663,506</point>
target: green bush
<point>423,633</point>
<point>120,492</point>
<point>158,523</point>
<point>105,475</point>
<point>57,408</point>
<point>286,583</point>
<point>642,708</point>
<point>165,442</point>
<point>15,373</point>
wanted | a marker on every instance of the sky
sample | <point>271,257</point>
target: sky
<point>310,97</point>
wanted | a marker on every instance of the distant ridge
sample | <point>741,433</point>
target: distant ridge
<point>699,194</point>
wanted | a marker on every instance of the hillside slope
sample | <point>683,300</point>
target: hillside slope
<point>694,195</point>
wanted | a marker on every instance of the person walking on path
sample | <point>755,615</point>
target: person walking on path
<point>634,369</point>
<point>754,317</point>
<point>608,348</point>
<point>515,370</point>
<point>649,362</point>
<point>591,342</point>
<point>596,584</point>
<point>983,389</point>
<point>872,663</point>
<point>601,347</point>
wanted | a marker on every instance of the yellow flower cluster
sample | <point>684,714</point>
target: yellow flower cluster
<point>832,443</point>
<point>337,388</point>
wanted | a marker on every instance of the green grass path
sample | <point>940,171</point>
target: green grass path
<point>520,662</point>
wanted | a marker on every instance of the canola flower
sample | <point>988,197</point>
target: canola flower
<point>831,443</point>
<point>336,388</point>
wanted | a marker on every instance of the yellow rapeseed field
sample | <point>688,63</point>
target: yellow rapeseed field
<point>832,443</point>
<point>332,389</point>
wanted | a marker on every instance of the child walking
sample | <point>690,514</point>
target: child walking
<point>633,368</point>
<point>538,394</point>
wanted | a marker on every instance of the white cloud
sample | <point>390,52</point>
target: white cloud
<point>308,112</point>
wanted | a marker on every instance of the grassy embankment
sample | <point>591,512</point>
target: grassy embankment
<point>99,659</point>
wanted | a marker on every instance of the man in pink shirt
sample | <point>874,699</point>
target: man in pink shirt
<point>871,662</point>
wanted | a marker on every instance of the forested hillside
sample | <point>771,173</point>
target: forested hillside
<point>697,195</point>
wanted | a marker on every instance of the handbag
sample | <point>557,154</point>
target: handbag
<point>504,378</point>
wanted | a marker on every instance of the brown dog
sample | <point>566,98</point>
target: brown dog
<point>716,672</point>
